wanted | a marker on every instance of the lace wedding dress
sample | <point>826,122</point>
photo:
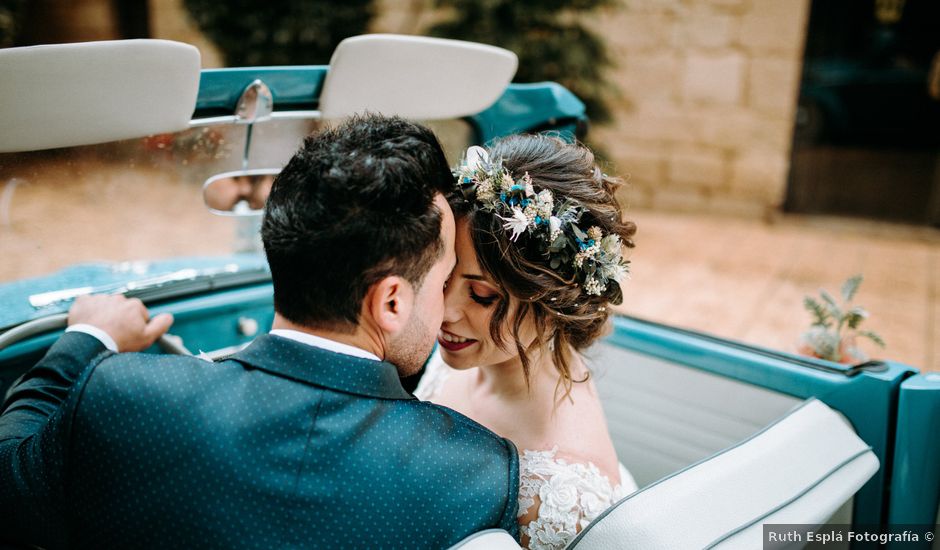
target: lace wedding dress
<point>569,495</point>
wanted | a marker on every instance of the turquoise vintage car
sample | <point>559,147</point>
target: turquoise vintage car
<point>117,138</point>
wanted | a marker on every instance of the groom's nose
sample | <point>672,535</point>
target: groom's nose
<point>452,307</point>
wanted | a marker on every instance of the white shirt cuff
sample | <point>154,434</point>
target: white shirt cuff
<point>101,335</point>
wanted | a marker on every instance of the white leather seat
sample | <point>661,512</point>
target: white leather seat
<point>798,470</point>
<point>414,77</point>
<point>664,416</point>
<point>490,539</point>
<point>64,95</point>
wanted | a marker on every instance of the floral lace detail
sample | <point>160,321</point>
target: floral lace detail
<point>572,496</point>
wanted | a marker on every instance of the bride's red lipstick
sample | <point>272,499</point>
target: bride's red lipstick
<point>453,346</point>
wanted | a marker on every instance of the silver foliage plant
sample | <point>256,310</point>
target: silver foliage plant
<point>835,325</point>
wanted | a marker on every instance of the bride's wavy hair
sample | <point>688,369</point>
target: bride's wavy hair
<point>565,316</point>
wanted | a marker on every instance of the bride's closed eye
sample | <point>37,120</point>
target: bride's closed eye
<point>483,297</point>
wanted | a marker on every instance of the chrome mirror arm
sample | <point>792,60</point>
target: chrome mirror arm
<point>255,105</point>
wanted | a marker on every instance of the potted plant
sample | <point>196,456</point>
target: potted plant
<point>835,331</point>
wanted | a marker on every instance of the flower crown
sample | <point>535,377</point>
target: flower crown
<point>589,258</point>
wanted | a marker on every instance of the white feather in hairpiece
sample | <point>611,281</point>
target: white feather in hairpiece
<point>476,157</point>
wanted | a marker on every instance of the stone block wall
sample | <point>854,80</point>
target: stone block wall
<point>703,119</point>
<point>707,96</point>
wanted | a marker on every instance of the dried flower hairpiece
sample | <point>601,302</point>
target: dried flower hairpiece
<point>589,258</point>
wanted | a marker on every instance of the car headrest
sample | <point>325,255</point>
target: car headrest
<point>65,95</point>
<point>414,77</point>
<point>798,470</point>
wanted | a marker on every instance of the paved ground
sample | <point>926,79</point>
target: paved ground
<point>746,279</point>
<point>741,279</point>
<point>58,214</point>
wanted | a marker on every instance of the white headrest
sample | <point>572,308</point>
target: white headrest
<point>798,470</point>
<point>414,77</point>
<point>79,94</point>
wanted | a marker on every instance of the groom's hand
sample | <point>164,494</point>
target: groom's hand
<point>126,320</point>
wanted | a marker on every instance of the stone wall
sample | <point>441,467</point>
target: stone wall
<point>704,116</point>
<point>707,99</point>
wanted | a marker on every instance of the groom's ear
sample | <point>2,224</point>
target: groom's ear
<point>389,303</point>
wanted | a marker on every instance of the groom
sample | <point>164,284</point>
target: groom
<point>305,438</point>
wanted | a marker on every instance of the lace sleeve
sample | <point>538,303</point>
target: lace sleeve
<point>558,499</point>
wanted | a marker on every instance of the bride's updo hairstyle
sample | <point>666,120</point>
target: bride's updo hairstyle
<point>566,303</point>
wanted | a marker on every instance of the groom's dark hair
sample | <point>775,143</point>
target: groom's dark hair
<point>354,205</point>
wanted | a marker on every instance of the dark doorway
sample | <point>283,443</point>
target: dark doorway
<point>867,136</point>
<point>55,22</point>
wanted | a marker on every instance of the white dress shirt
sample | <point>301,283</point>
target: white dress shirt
<point>101,335</point>
<point>323,343</point>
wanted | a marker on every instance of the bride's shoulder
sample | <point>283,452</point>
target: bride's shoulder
<point>559,495</point>
<point>538,466</point>
<point>578,430</point>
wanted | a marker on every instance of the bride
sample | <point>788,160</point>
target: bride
<point>539,238</point>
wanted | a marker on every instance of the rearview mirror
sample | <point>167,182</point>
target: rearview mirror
<point>240,193</point>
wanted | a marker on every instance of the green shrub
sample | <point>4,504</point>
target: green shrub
<point>279,32</point>
<point>11,20</point>
<point>549,40</point>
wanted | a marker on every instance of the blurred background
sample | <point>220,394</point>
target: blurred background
<point>770,147</point>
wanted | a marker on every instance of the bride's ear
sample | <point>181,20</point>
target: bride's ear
<point>389,303</point>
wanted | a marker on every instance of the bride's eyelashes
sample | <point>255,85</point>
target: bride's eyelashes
<point>483,299</point>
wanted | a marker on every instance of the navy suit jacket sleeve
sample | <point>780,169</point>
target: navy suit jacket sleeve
<point>34,439</point>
